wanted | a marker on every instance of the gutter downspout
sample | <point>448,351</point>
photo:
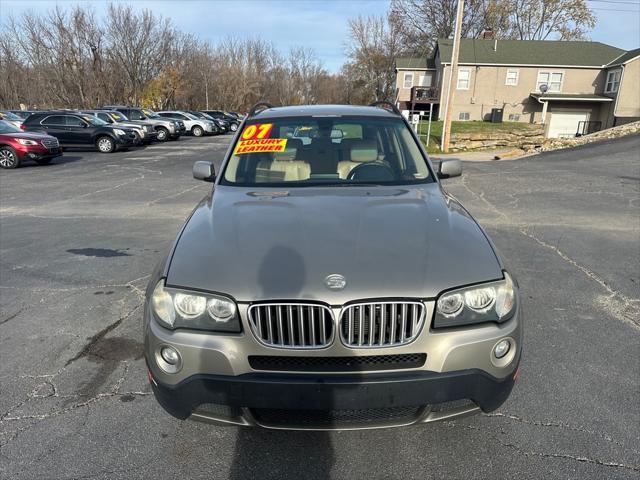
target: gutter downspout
<point>545,104</point>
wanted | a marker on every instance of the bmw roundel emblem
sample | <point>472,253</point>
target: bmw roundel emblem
<point>335,281</point>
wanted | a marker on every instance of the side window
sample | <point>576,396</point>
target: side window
<point>105,117</point>
<point>178,115</point>
<point>74,121</point>
<point>133,115</point>
<point>54,120</point>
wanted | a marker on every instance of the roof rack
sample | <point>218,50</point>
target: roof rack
<point>389,106</point>
<point>257,108</point>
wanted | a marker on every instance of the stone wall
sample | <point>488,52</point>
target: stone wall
<point>615,132</point>
<point>524,139</point>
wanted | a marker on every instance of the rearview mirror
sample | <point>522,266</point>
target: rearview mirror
<point>450,168</point>
<point>204,171</point>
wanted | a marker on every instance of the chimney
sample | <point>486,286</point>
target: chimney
<point>488,34</point>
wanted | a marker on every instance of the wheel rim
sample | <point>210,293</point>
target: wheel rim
<point>104,145</point>
<point>197,131</point>
<point>162,134</point>
<point>7,158</point>
<point>234,127</point>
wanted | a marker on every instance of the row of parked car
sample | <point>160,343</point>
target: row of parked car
<point>39,135</point>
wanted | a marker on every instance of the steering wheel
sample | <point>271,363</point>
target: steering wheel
<point>372,171</point>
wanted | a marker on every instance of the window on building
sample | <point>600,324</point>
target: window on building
<point>463,116</point>
<point>512,77</point>
<point>464,74</point>
<point>613,81</point>
<point>408,80</point>
<point>553,80</point>
<point>425,80</point>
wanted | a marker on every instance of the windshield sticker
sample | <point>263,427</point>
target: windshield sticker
<point>259,145</point>
<point>259,130</point>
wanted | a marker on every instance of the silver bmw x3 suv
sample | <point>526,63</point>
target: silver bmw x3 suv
<point>328,281</point>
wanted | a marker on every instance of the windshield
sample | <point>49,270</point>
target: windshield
<point>118,117</point>
<point>150,113</point>
<point>6,127</point>
<point>189,115</point>
<point>315,151</point>
<point>94,120</point>
<point>207,116</point>
<point>9,116</point>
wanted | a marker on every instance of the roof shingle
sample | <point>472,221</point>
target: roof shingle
<point>530,52</point>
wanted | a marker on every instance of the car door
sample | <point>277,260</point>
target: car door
<point>78,131</point>
<point>55,125</point>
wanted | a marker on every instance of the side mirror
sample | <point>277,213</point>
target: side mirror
<point>450,168</point>
<point>204,171</point>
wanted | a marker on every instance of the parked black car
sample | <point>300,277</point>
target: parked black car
<point>232,121</point>
<point>74,129</point>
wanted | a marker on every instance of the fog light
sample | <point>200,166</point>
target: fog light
<point>171,355</point>
<point>501,348</point>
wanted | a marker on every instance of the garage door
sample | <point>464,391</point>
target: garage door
<point>565,124</point>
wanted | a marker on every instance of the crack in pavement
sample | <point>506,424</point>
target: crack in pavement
<point>12,316</point>
<point>98,336</point>
<point>561,425</point>
<point>530,453</point>
<point>615,303</point>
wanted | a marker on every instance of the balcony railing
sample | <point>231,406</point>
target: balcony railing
<point>425,95</point>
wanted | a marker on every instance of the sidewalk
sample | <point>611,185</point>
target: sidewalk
<point>480,156</point>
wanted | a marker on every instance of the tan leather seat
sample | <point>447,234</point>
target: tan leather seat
<point>294,170</point>
<point>361,151</point>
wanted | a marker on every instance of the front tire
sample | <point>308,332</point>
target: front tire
<point>8,158</point>
<point>105,144</point>
<point>197,131</point>
<point>233,127</point>
<point>163,134</point>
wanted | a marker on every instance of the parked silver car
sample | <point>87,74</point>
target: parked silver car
<point>330,285</point>
<point>197,126</point>
<point>167,129</point>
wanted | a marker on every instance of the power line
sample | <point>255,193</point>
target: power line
<point>614,10</point>
<point>616,1</point>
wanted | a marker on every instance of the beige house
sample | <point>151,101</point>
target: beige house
<point>572,87</point>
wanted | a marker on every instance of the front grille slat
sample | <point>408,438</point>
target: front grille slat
<point>384,324</point>
<point>292,325</point>
<point>366,363</point>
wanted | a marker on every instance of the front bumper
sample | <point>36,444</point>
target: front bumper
<point>310,402</point>
<point>39,154</point>
<point>218,383</point>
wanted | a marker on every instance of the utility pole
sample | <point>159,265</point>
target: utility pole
<point>453,77</point>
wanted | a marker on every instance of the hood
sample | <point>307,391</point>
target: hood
<point>386,242</point>
<point>28,135</point>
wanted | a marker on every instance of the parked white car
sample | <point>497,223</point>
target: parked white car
<point>197,126</point>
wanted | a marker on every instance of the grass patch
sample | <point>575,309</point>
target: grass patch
<point>467,127</point>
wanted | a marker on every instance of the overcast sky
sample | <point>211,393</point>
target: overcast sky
<point>318,24</point>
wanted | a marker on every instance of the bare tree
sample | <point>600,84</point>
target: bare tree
<point>373,47</point>
<point>68,58</point>
<point>544,19</point>
<point>422,22</point>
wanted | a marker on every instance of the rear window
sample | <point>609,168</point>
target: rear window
<point>312,151</point>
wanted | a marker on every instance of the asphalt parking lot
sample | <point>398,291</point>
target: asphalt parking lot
<point>78,239</point>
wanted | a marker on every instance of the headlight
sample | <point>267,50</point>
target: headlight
<point>117,131</point>
<point>23,141</point>
<point>174,308</point>
<point>490,302</point>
